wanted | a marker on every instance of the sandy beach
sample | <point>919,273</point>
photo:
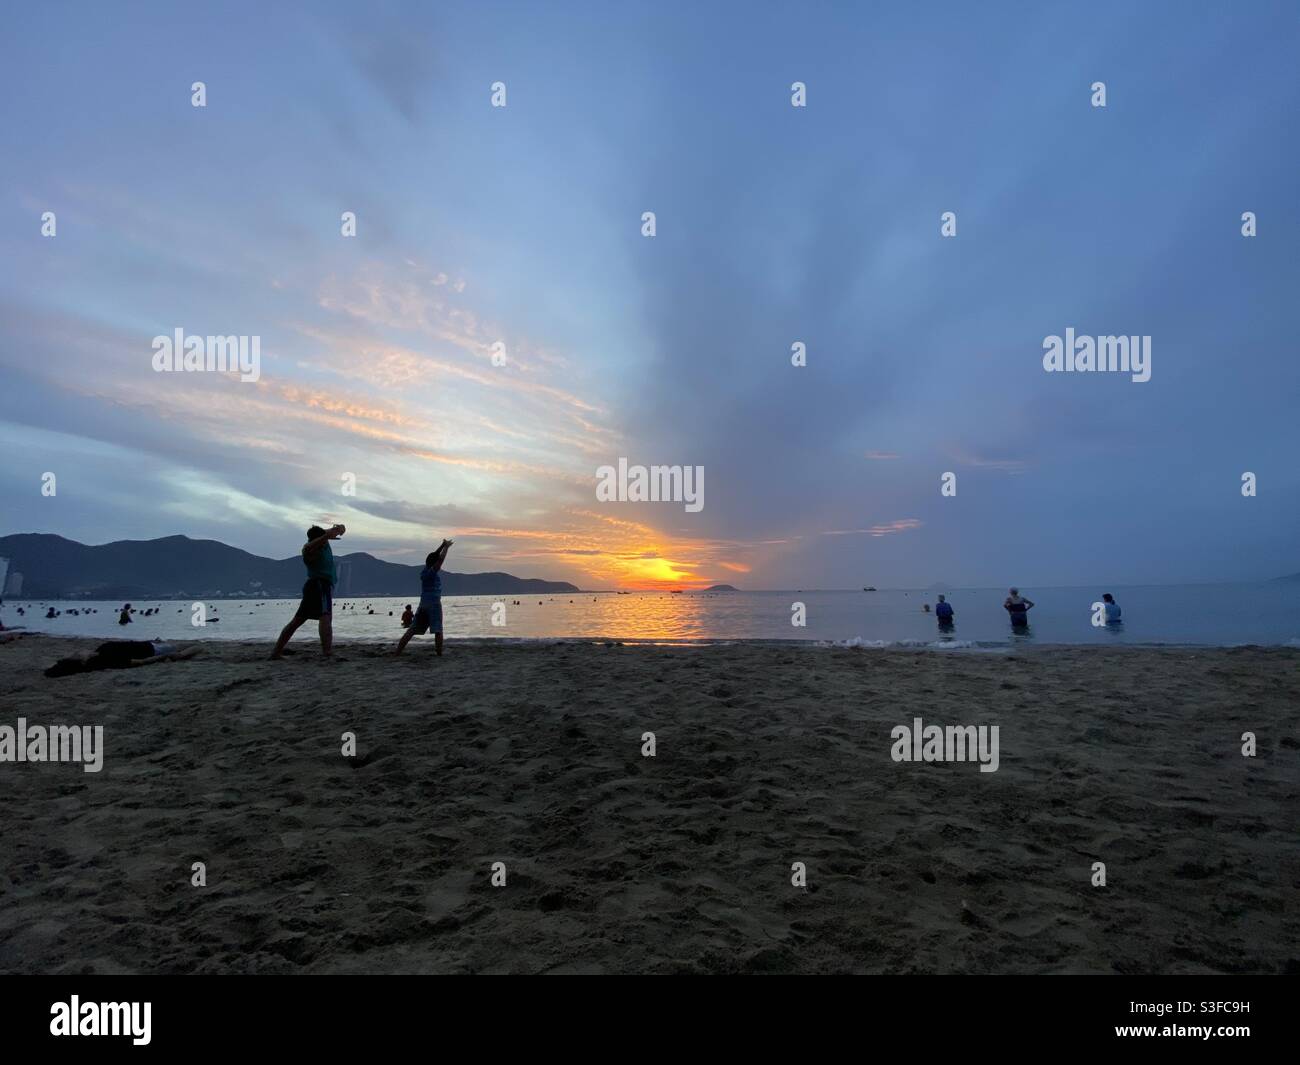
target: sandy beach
<point>615,862</point>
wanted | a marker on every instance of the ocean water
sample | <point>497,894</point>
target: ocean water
<point>1206,614</point>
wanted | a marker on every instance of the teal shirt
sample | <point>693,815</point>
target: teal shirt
<point>321,564</point>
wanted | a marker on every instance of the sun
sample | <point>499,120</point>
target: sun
<point>655,571</point>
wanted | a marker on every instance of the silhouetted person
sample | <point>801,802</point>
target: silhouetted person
<point>318,590</point>
<point>429,615</point>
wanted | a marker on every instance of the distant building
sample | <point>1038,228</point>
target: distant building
<point>344,586</point>
<point>14,584</point>
<point>4,573</point>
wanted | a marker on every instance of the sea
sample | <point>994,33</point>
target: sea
<point>1193,615</point>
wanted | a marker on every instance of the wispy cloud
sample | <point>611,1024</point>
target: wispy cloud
<point>890,527</point>
<point>999,465</point>
<point>881,529</point>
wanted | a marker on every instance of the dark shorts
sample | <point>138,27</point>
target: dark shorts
<point>427,618</point>
<point>317,599</point>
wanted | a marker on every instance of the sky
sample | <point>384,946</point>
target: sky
<point>521,227</point>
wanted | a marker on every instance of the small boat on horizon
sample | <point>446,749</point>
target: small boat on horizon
<point>872,589</point>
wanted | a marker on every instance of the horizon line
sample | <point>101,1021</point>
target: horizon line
<point>944,589</point>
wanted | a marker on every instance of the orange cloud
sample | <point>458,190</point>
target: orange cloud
<point>889,527</point>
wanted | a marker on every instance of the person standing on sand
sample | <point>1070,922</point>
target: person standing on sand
<point>1018,607</point>
<point>429,614</point>
<point>318,591</point>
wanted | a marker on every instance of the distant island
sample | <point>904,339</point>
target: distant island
<point>722,588</point>
<point>176,567</point>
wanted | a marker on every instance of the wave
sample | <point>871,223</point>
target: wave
<point>990,646</point>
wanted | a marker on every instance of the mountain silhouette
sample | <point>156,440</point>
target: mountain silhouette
<point>54,567</point>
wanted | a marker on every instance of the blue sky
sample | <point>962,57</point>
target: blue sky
<point>775,224</point>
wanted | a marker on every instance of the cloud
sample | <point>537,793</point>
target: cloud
<point>398,59</point>
<point>999,465</point>
<point>445,515</point>
<point>890,527</point>
<point>881,529</point>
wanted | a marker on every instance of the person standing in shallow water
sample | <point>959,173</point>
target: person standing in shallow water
<point>318,591</point>
<point>943,611</point>
<point>1113,614</point>
<point>429,614</point>
<point>1018,607</point>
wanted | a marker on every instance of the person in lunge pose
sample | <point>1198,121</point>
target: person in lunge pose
<point>429,613</point>
<point>318,591</point>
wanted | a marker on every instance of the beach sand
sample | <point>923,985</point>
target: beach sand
<point>615,862</point>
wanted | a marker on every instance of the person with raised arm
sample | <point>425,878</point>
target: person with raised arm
<point>318,591</point>
<point>429,613</point>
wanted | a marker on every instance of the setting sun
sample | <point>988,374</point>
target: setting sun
<point>656,572</point>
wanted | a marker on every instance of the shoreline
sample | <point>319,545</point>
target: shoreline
<point>306,641</point>
<point>533,756</point>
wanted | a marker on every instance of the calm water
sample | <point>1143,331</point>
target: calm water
<point>1193,614</point>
